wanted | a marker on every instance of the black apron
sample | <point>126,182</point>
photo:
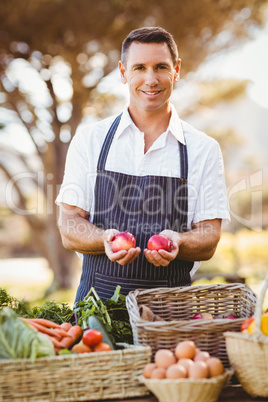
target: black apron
<point>144,206</point>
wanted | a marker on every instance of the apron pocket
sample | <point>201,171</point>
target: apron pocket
<point>105,285</point>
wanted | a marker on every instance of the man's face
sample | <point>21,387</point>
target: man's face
<point>150,75</point>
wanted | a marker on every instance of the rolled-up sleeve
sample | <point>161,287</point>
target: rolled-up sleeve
<point>211,200</point>
<point>79,177</point>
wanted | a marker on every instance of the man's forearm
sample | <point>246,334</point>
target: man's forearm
<point>200,243</point>
<point>78,233</point>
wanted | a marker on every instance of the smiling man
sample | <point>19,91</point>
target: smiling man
<point>146,172</point>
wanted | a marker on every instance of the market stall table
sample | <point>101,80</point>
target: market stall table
<point>230,394</point>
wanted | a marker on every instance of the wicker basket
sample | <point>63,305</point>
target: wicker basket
<point>178,305</point>
<point>84,377</point>
<point>248,354</point>
<point>188,390</point>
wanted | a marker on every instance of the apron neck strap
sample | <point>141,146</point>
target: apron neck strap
<point>108,141</point>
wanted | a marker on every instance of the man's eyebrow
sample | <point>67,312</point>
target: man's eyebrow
<point>157,64</point>
<point>137,64</point>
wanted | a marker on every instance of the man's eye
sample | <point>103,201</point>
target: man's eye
<point>139,68</point>
<point>162,67</point>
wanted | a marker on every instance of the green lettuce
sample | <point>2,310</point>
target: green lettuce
<point>19,340</point>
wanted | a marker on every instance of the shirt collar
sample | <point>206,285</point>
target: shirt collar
<point>124,123</point>
<point>174,127</point>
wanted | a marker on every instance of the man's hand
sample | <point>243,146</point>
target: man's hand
<point>121,257</point>
<point>197,244</point>
<point>163,257</point>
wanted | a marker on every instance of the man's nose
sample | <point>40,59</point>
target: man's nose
<point>151,77</point>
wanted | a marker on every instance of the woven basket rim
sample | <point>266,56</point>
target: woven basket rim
<point>200,322</point>
<point>214,380</point>
<point>183,289</point>
<point>247,337</point>
<point>78,356</point>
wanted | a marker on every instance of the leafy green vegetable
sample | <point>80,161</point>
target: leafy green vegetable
<point>50,310</point>
<point>56,312</point>
<point>21,307</point>
<point>113,313</point>
<point>18,340</point>
<point>65,352</point>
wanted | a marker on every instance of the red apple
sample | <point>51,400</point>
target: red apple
<point>197,316</point>
<point>159,241</point>
<point>123,241</point>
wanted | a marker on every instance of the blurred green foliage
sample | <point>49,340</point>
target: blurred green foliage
<point>244,253</point>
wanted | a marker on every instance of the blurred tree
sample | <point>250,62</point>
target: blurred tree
<point>78,43</point>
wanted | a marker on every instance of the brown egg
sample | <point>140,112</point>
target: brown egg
<point>164,358</point>
<point>185,349</point>
<point>198,370</point>
<point>201,356</point>
<point>158,373</point>
<point>186,363</point>
<point>215,366</point>
<point>176,371</point>
<point>147,371</point>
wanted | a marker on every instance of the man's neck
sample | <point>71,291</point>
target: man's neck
<point>151,123</point>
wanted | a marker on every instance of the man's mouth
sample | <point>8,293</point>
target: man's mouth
<point>151,93</point>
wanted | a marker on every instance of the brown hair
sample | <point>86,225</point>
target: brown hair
<point>150,35</point>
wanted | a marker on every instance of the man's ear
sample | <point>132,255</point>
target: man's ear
<point>177,70</point>
<point>122,72</point>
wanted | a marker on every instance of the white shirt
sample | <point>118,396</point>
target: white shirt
<point>206,182</point>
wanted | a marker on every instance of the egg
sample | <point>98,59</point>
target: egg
<point>185,349</point>
<point>215,366</point>
<point>147,371</point>
<point>186,363</point>
<point>164,358</point>
<point>159,373</point>
<point>198,370</point>
<point>201,356</point>
<point>176,371</point>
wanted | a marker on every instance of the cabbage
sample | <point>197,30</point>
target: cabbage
<point>19,340</point>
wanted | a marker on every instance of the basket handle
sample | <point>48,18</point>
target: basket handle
<point>258,311</point>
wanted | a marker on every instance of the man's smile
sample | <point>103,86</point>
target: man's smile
<point>151,93</point>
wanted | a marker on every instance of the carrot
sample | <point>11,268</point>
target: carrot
<point>57,330</point>
<point>61,332</point>
<point>31,325</point>
<point>74,334</point>
<point>55,342</point>
<point>66,326</point>
<point>41,328</point>
<point>46,323</point>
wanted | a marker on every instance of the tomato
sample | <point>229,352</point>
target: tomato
<point>102,347</point>
<point>246,323</point>
<point>81,348</point>
<point>92,337</point>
